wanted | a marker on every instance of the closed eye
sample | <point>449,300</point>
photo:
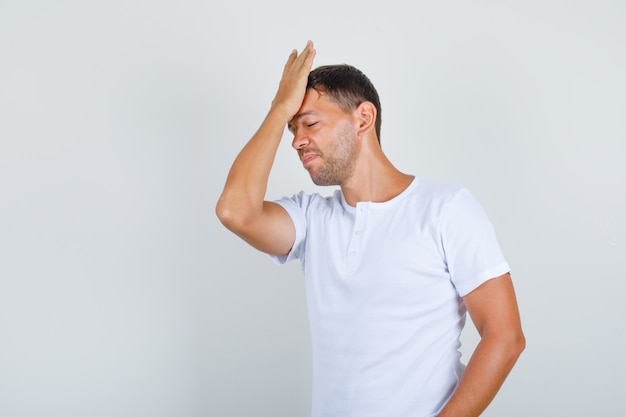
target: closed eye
<point>312,124</point>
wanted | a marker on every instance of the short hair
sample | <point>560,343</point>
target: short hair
<point>347,86</point>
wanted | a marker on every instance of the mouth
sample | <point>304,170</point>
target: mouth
<point>308,157</point>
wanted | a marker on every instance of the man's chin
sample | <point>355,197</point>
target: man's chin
<point>320,179</point>
<point>321,182</point>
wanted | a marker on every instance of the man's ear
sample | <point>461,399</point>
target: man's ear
<point>366,117</point>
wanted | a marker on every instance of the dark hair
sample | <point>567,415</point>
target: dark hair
<point>346,86</point>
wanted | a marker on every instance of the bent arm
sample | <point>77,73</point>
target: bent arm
<point>493,309</point>
<point>241,207</point>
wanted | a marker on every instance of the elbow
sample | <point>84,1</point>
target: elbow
<point>507,345</point>
<point>221,210</point>
<point>515,345</point>
<point>231,217</point>
<point>519,343</point>
<point>225,214</point>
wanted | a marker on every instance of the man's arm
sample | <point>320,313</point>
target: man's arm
<point>241,207</point>
<point>493,309</point>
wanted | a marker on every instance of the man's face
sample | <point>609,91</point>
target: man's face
<point>324,137</point>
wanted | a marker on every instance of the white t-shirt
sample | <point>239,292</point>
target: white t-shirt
<point>384,283</point>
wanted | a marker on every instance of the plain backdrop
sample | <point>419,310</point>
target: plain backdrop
<point>122,295</point>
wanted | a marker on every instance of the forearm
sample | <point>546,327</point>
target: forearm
<point>487,369</point>
<point>247,180</point>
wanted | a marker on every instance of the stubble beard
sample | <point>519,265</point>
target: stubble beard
<point>338,161</point>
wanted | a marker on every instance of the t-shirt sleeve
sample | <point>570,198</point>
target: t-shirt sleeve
<point>296,208</point>
<point>473,254</point>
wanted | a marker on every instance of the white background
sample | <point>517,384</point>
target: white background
<point>122,295</point>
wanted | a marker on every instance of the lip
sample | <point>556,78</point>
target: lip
<point>306,159</point>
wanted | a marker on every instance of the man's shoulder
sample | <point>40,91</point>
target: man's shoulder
<point>436,191</point>
<point>311,199</point>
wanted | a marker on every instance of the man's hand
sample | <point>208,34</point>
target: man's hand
<point>292,87</point>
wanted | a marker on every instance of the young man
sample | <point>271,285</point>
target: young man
<point>392,262</point>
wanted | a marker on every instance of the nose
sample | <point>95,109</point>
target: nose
<point>300,140</point>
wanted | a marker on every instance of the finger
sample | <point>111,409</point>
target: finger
<point>308,50</point>
<point>305,59</point>
<point>308,61</point>
<point>290,60</point>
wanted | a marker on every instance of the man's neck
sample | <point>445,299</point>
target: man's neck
<point>374,179</point>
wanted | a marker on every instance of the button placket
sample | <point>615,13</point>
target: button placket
<point>354,249</point>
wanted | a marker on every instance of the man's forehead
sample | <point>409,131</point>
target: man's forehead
<point>302,114</point>
<point>313,104</point>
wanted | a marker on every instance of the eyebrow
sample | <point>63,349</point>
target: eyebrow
<point>299,116</point>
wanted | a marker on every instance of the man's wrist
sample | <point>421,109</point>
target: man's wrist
<point>281,111</point>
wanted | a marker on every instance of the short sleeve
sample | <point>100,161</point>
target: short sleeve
<point>296,208</point>
<point>473,254</point>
